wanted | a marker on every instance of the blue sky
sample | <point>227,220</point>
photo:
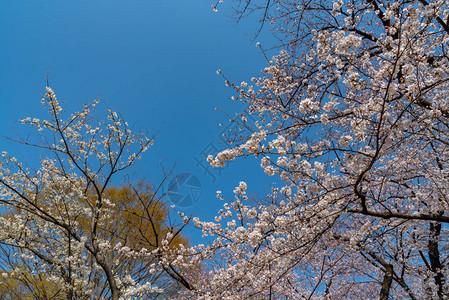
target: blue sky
<point>153,61</point>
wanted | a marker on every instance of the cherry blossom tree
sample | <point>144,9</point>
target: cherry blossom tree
<point>352,123</point>
<point>65,231</point>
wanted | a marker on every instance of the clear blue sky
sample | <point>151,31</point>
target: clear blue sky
<point>153,61</point>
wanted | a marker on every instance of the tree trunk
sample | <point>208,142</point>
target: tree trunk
<point>386,283</point>
<point>434,258</point>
